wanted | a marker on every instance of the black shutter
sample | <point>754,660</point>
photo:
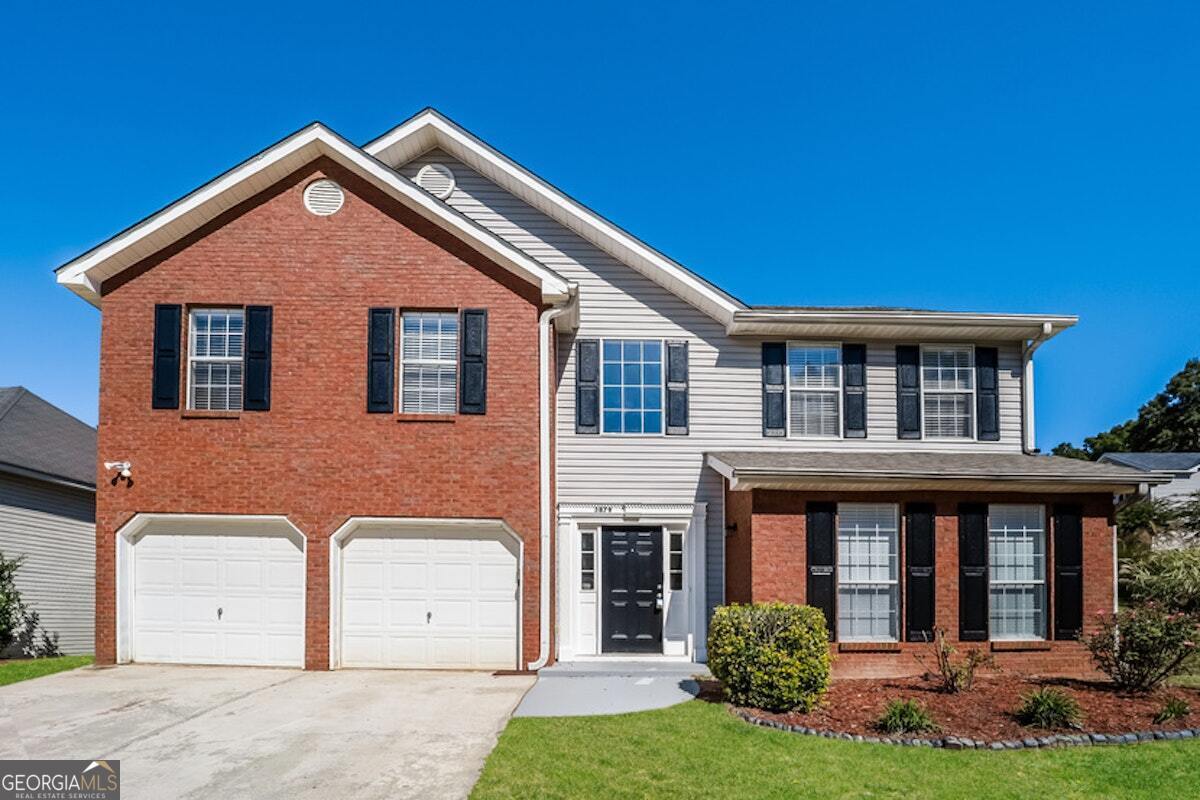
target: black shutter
<point>677,388</point>
<point>1068,572</point>
<point>472,362</point>
<point>972,572</point>
<point>167,322</point>
<point>908,391</point>
<point>987,393</point>
<point>822,562</point>
<point>256,390</point>
<point>381,360</point>
<point>920,539</point>
<point>774,361</point>
<point>854,390</point>
<point>587,386</point>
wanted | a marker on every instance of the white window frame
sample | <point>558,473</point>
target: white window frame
<point>662,343</point>
<point>1042,583</point>
<point>893,584</point>
<point>836,391</point>
<point>426,361</point>
<point>193,358</point>
<point>971,400</point>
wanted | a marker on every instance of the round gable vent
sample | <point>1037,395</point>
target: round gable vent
<point>437,179</point>
<point>323,197</point>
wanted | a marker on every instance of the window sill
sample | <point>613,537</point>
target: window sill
<point>426,417</point>
<point>1019,645</point>
<point>868,647</point>
<point>197,414</point>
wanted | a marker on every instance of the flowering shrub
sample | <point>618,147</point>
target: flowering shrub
<point>1139,648</point>
<point>955,674</point>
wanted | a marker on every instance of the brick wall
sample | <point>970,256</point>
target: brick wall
<point>766,562</point>
<point>317,456</point>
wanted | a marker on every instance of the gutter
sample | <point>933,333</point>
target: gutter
<point>1027,430</point>
<point>545,464</point>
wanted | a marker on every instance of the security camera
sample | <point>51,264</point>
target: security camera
<point>123,468</point>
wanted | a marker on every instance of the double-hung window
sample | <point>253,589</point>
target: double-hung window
<point>1017,571</point>
<point>814,389</point>
<point>948,392</point>
<point>216,337</point>
<point>632,384</point>
<point>429,362</point>
<point>868,607</point>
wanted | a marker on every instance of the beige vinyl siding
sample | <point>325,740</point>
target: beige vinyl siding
<point>54,528</point>
<point>724,372</point>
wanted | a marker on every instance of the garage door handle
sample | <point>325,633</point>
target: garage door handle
<point>220,611</point>
<point>428,617</point>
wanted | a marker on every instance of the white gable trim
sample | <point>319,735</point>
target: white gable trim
<point>430,129</point>
<point>85,274</point>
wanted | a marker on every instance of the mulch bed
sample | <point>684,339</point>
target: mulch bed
<point>853,705</point>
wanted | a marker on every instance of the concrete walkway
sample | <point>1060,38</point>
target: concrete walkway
<point>234,732</point>
<point>588,688</point>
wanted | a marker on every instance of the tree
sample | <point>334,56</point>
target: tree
<point>1138,523</point>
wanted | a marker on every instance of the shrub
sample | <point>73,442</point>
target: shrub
<point>905,716</point>
<point>20,624</point>
<point>1170,578</point>
<point>955,675</point>
<point>1049,708</point>
<point>1140,648</point>
<point>1175,708</point>
<point>773,656</point>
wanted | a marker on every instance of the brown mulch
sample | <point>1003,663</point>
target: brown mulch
<point>985,712</point>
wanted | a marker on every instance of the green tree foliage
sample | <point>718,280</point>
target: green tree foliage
<point>1170,578</point>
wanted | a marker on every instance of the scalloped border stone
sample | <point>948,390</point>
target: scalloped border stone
<point>965,743</point>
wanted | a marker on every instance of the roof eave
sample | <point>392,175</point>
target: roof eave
<point>893,324</point>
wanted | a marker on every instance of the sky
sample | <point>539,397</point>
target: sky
<point>1021,157</point>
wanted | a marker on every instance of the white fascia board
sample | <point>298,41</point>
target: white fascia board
<point>84,274</point>
<point>891,323</point>
<point>578,218</point>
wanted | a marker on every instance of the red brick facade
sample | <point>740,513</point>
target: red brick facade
<point>317,456</point>
<point>765,561</point>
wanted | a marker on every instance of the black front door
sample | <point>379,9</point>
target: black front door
<point>633,584</point>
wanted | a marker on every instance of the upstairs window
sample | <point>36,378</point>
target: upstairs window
<point>814,376</point>
<point>948,392</point>
<point>216,338</point>
<point>631,378</point>
<point>1017,567</point>
<point>429,362</point>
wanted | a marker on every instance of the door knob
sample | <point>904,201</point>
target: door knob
<point>658,602</point>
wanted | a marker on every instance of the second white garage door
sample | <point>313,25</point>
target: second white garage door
<point>429,602</point>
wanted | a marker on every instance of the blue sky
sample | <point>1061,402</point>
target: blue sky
<point>949,155</point>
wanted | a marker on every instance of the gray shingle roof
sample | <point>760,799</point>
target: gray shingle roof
<point>1155,462</point>
<point>38,437</point>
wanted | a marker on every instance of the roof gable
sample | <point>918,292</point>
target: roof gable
<point>85,274</point>
<point>43,441</point>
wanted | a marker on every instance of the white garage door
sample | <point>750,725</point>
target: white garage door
<point>219,599</point>
<point>440,602</point>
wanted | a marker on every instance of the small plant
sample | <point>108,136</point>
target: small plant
<point>1175,708</point>
<point>20,624</point>
<point>905,716</point>
<point>1140,648</point>
<point>955,676</point>
<point>773,656</point>
<point>1049,708</point>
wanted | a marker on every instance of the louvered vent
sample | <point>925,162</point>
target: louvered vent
<point>323,197</point>
<point>437,179</point>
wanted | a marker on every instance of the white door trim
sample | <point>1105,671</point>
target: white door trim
<point>432,525</point>
<point>141,524</point>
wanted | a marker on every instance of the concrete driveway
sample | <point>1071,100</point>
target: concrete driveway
<point>205,732</point>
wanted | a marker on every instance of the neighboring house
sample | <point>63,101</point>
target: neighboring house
<point>408,405</point>
<point>1183,473</point>
<point>48,513</point>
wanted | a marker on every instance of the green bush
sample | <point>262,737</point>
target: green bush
<point>1139,648</point>
<point>1170,578</point>
<point>905,716</point>
<point>1175,708</point>
<point>1049,708</point>
<point>773,656</point>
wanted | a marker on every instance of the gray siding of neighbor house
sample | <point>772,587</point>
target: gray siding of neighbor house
<point>725,376</point>
<point>54,527</point>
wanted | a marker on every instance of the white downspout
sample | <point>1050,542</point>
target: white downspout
<point>545,464</point>
<point>1028,445</point>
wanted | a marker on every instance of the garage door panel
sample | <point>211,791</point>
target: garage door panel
<point>408,576</point>
<point>452,613</point>
<point>406,613</point>
<point>364,575</point>
<point>285,574</point>
<point>452,577</point>
<point>407,652</point>
<point>244,574</point>
<point>363,612</point>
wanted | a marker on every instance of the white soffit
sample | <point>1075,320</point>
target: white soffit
<point>85,274</point>
<point>429,129</point>
<point>897,324</point>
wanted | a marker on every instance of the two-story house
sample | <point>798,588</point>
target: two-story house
<point>409,405</point>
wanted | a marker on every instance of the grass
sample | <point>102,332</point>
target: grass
<point>24,669</point>
<point>698,750</point>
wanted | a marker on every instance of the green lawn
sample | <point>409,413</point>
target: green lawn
<point>698,750</point>
<point>24,669</point>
